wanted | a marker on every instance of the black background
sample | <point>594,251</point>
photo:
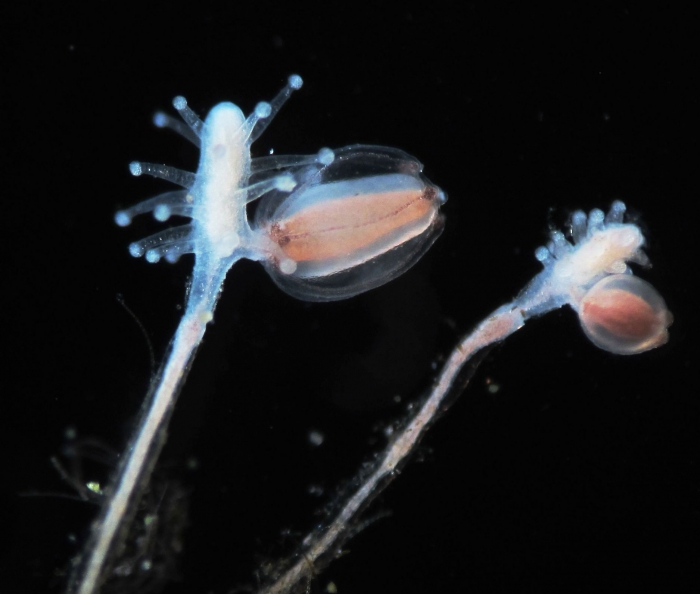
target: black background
<point>579,474</point>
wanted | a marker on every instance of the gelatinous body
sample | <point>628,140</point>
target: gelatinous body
<point>353,225</point>
<point>624,314</point>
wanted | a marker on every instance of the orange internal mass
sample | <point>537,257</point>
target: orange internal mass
<point>622,313</point>
<point>338,228</point>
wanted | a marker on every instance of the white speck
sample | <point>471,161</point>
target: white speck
<point>287,266</point>
<point>316,438</point>
<point>315,490</point>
